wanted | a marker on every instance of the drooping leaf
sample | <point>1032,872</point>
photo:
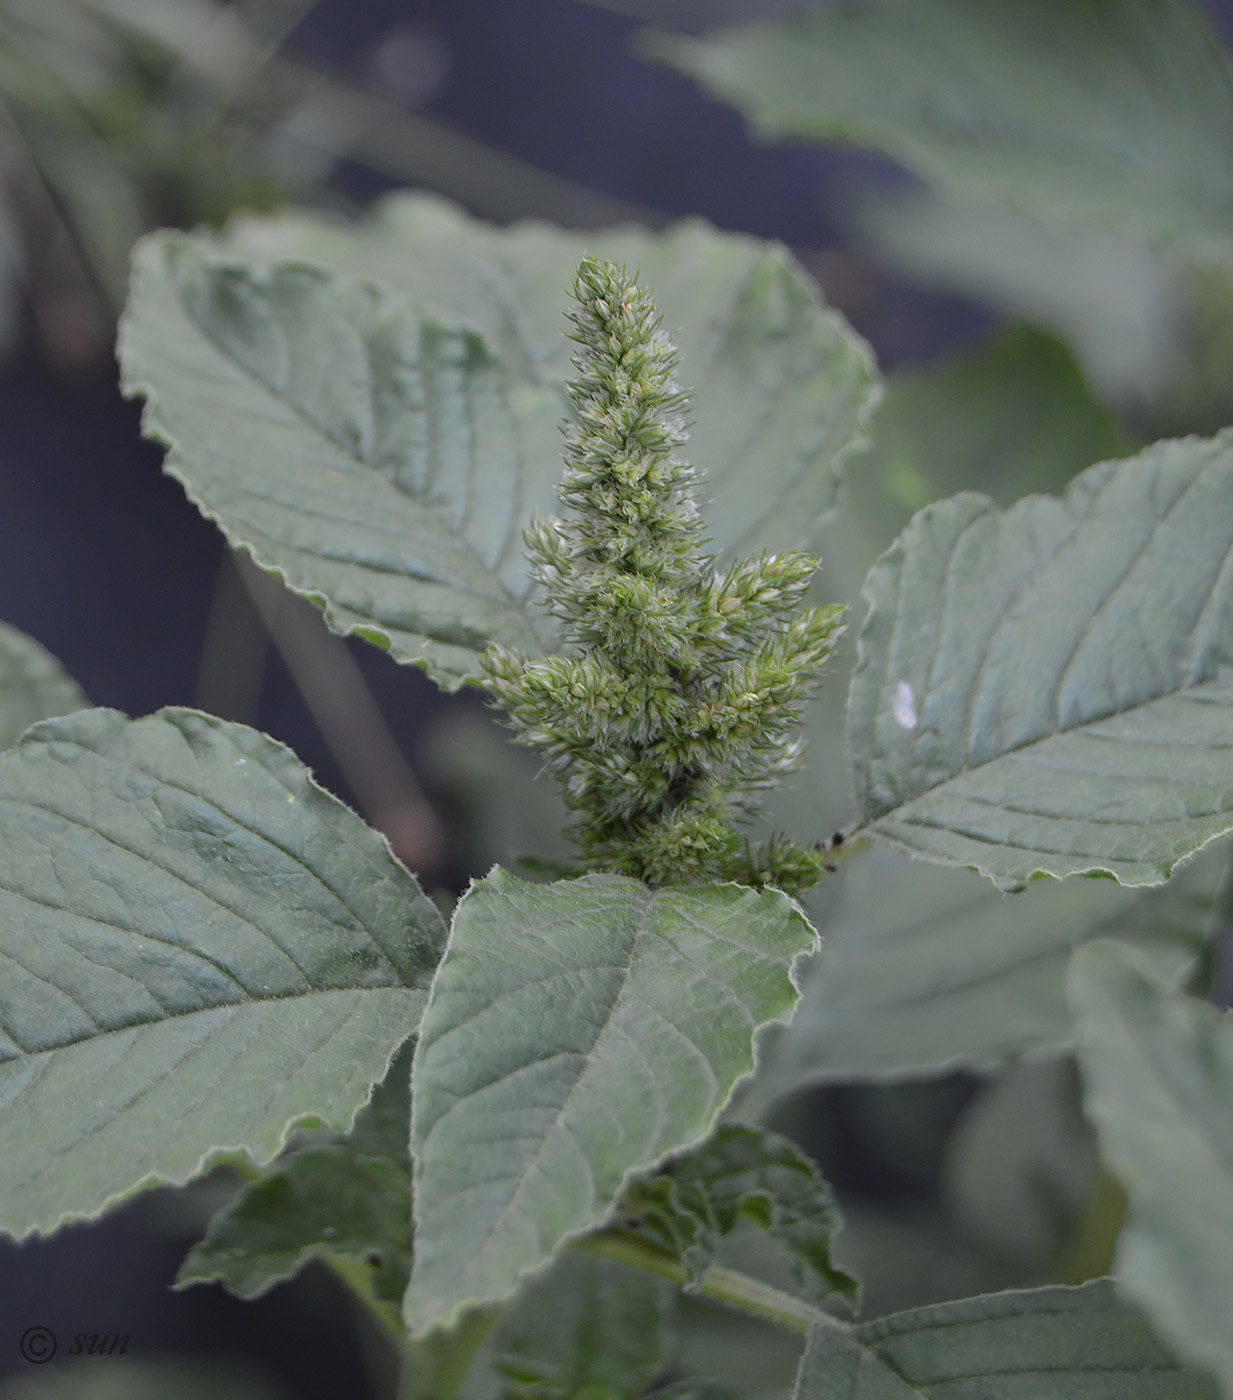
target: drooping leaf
<point>200,949</point>
<point>1158,1069</point>
<point>1048,689</point>
<point>577,1032</point>
<point>33,685</point>
<point>1063,1343</point>
<point>781,389</point>
<point>1112,113</point>
<point>348,1198</point>
<point>588,1327</point>
<point>925,969</point>
<point>697,1197</point>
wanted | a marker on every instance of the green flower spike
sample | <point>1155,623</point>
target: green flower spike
<point>672,707</point>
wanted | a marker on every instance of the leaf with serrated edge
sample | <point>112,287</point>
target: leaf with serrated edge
<point>33,685</point>
<point>1158,1078</point>
<point>781,387</point>
<point>1104,114</point>
<point>1065,1343</point>
<point>376,459</point>
<point>1049,689</point>
<point>347,1198</point>
<point>200,948</point>
<point>588,1326</point>
<point>926,969</point>
<point>698,1196</point>
<point>577,1032</point>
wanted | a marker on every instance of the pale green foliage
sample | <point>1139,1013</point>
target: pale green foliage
<point>1063,1343</point>
<point>1158,1066</point>
<point>675,704</point>
<point>201,948</point>
<point>33,685</point>
<point>1028,697</point>
<point>576,1032</point>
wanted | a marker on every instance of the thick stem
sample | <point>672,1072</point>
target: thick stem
<point>722,1285</point>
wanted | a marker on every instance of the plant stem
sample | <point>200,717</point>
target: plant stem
<point>437,1366</point>
<point>722,1285</point>
<point>1095,1244</point>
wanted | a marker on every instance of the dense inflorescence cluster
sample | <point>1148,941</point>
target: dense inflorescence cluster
<point>672,706</point>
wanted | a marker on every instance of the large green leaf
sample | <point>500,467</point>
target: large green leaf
<point>1049,689</point>
<point>577,1033</point>
<point>379,461</point>
<point>740,1174</point>
<point>382,445</point>
<point>926,969</point>
<point>781,387</point>
<point>1114,113</point>
<point>1060,1343</point>
<point>1158,1068</point>
<point>200,948</point>
<point>33,685</point>
<point>344,1199</point>
<point>588,1329</point>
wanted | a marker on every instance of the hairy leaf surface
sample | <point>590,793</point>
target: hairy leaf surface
<point>346,1198</point>
<point>1064,1343</point>
<point>781,387</point>
<point>925,969</point>
<point>33,685</point>
<point>1049,689</point>
<point>199,948</point>
<point>378,460</point>
<point>587,1327</point>
<point>1158,1070</point>
<point>1111,113</point>
<point>577,1032</point>
<point>697,1197</point>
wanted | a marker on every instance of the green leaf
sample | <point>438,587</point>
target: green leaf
<point>1047,690</point>
<point>1114,298</point>
<point>781,388</point>
<point>33,685</point>
<point>200,947</point>
<point>577,1033</point>
<point>1112,113</point>
<point>926,969</point>
<point>697,1197</point>
<point>374,458</point>
<point>347,1198</point>
<point>1158,1070</point>
<point>1063,1343</point>
<point>587,1329</point>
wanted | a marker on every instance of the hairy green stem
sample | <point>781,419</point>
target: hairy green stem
<point>722,1285</point>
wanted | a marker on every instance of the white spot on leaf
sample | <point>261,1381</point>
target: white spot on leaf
<point>902,706</point>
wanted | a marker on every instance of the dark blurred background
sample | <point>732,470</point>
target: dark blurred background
<point>515,109</point>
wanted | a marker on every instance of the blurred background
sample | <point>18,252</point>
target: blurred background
<point>119,116</point>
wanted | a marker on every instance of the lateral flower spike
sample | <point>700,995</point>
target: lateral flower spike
<point>671,708</point>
